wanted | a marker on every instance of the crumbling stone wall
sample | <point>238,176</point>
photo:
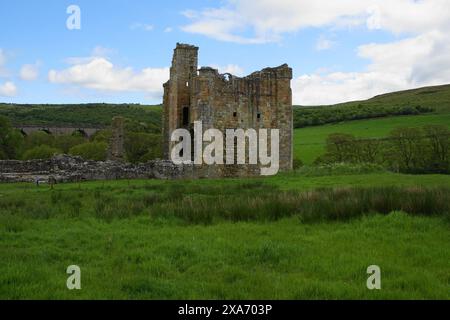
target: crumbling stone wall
<point>66,168</point>
<point>223,101</point>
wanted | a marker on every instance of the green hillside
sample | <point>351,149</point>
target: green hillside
<point>436,97</point>
<point>309,143</point>
<point>94,114</point>
<point>411,102</point>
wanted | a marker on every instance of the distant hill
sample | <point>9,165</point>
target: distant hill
<point>79,114</point>
<point>437,97</point>
<point>410,102</point>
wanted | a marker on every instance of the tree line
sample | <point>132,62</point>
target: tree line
<point>316,116</point>
<point>141,143</point>
<point>406,150</point>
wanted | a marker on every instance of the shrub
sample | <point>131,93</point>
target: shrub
<point>11,140</point>
<point>297,164</point>
<point>40,152</point>
<point>39,138</point>
<point>67,142</point>
<point>142,147</point>
<point>91,151</point>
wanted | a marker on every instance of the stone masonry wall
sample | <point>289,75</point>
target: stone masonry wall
<point>73,169</point>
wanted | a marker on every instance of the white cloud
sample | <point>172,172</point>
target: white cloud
<point>324,43</point>
<point>97,52</point>
<point>100,74</point>
<point>419,61</point>
<point>409,16</point>
<point>221,24</point>
<point>29,72</point>
<point>168,29</point>
<point>8,89</point>
<point>267,20</point>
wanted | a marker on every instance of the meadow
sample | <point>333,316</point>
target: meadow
<point>228,239</point>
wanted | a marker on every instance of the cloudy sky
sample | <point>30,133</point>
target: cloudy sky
<point>340,50</point>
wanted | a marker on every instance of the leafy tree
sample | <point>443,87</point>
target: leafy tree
<point>408,147</point>
<point>66,142</point>
<point>438,140</point>
<point>102,136</point>
<point>367,150</point>
<point>341,147</point>
<point>142,147</point>
<point>39,138</point>
<point>40,152</point>
<point>91,151</point>
<point>11,140</point>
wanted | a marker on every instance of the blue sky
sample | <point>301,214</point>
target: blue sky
<point>339,49</point>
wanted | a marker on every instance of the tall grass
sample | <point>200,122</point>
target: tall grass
<point>312,206</point>
<point>208,204</point>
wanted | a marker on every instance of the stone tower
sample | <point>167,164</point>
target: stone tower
<point>116,146</point>
<point>223,101</point>
<point>177,92</point>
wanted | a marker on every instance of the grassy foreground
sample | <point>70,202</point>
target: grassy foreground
<point>135,259</point>
<point>151,254</point>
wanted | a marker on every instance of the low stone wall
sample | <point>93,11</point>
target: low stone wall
<point>65,168</point>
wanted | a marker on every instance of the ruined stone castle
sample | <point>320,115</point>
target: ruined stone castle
<point>224,101</point>
<point>262,100</point>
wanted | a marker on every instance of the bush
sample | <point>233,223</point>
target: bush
<point>11,140</point>
<point>66,142</point>
<point>40,152</point>
<point>91,151</point>
<point>142,147</point>
<point>102,136</point>
<point>39,138</point>
<point>406,150</point>
<point>297,164</point>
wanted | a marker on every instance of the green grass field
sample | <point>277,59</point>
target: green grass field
<point>135,254</point>
<point>136,259</point>
<point>309,143</point>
